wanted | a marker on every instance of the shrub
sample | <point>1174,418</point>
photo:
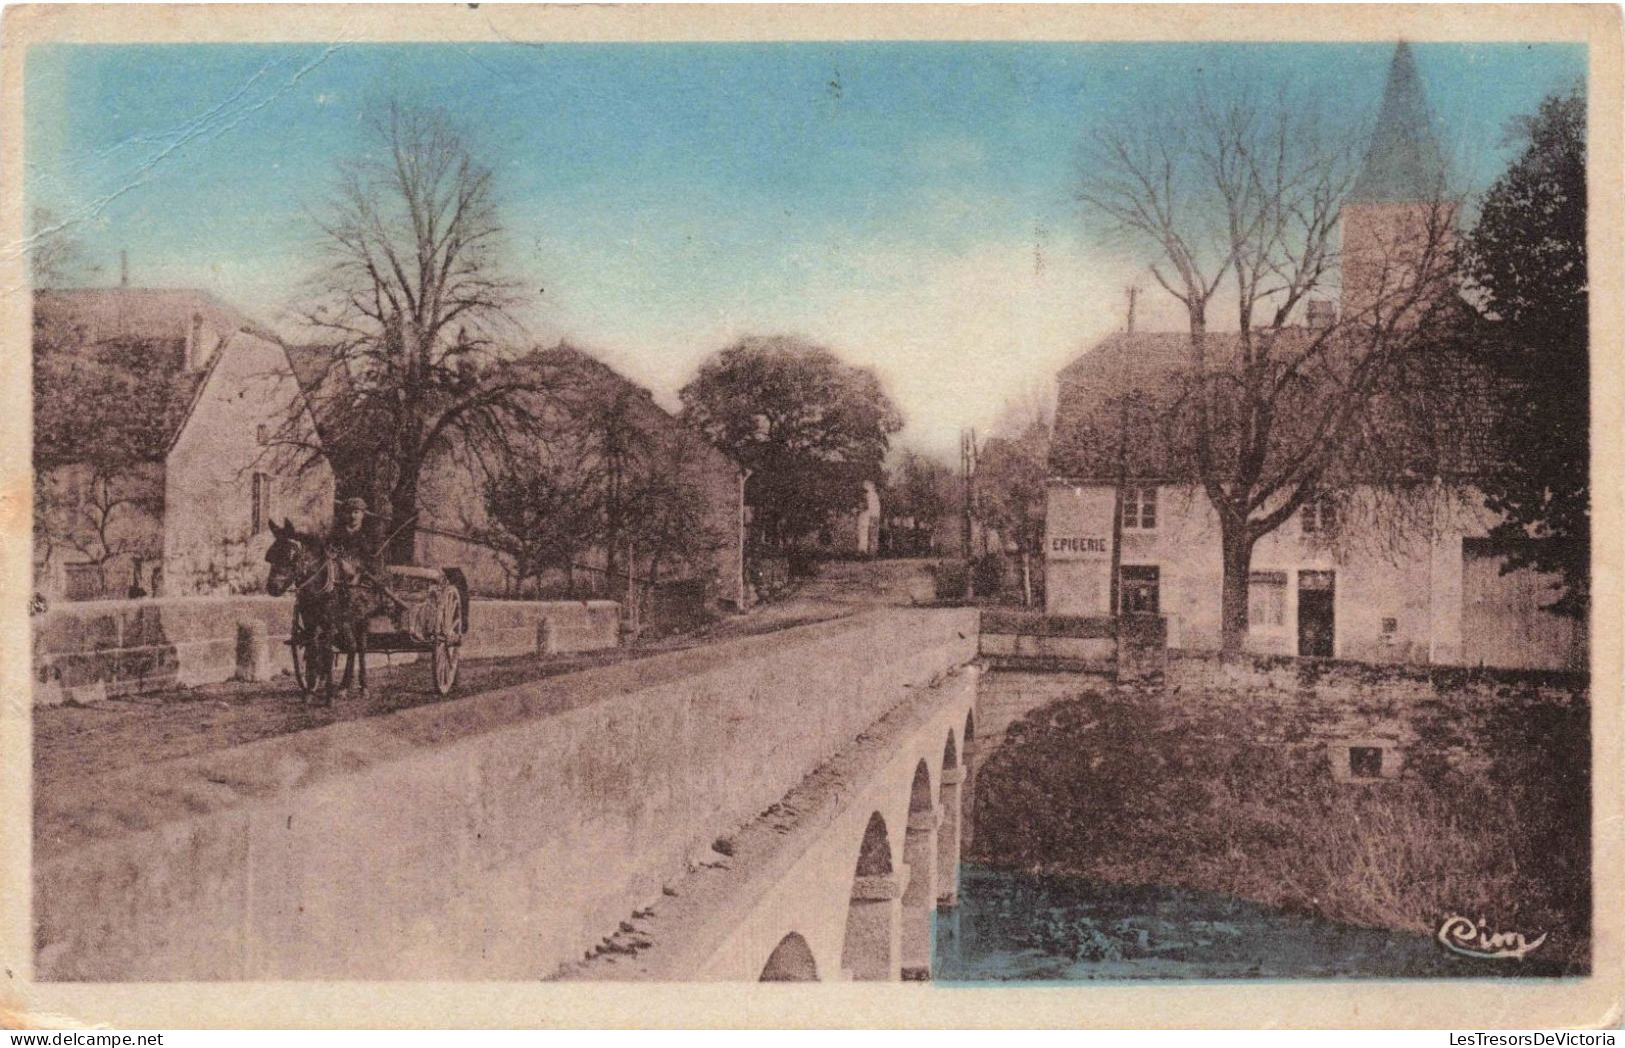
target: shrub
<point>1122,787</point>
<point>804,564</point>
<point>948,579</point>
<point>990,571</point>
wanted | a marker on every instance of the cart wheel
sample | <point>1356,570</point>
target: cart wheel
<point>310,676</point>
<point>448,649</point>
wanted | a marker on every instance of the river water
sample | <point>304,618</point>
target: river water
<point>1018,927</point>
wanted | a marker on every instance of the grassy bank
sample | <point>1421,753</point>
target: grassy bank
<point>1134,787</point>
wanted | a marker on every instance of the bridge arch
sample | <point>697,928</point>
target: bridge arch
<point>967,792</point>
<point>920,890</point>
<point>948,826</point>
<point>792,960</point>
<point>856,859</point>
<point>870,948</point>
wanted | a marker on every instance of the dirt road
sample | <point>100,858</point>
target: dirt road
<point>76,740</point>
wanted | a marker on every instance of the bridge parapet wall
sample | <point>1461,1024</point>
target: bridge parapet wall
<point>1131,646</point>
<point>493,837</point>
<point>108,648</point>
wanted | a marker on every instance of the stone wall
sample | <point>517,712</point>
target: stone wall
<point>1425,719</point>
<point>493,837</point>
<point>1133,647</point>
<point>103,649</point>
<point>1026,635</point>
<point>499,628</point>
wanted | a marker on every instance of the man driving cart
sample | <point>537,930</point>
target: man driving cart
<point>355,545</point>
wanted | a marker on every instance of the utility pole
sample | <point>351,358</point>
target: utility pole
<point>1122,460</point>
<point>967,470</point>
<point>123,268</point>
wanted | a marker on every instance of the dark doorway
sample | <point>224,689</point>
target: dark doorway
<point>1316,622</point>
<point>1140,589</point>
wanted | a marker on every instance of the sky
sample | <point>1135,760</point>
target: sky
<point>911,205</point>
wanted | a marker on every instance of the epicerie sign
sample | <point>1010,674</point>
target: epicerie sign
<point>1079,547</point>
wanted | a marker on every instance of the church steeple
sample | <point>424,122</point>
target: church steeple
<point>1396,219</point>
<point>1403,163</point>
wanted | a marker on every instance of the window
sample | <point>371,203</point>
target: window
<point>1266,599</point>
<point>262,433</point>
<point>1318,516</point>
<point>1140,584</point>
<point>1365,762</point>
<point>262,503</point>
<point>1140,507</point>
<point>84,582</point>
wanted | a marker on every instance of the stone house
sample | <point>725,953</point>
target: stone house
<point>453,524</point>
<point>1359,572</point>
<point>157,411</point>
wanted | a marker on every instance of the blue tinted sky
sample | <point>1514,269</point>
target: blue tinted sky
<point>909,203</point>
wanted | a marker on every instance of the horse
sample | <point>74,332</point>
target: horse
<point>332,611</point>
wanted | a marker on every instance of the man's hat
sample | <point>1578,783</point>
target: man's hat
<point>354,505</point>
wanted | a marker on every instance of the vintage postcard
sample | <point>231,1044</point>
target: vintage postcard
<point>560,516</point>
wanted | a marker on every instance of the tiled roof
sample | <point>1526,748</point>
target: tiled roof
<point>324,379</point>
<point>103,314</point>
<point>1095,423</point>
<point>573,366</point>
<point>139,397</point>
<point>1434,420</point>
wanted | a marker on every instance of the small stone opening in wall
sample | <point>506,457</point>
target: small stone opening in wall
<point>1390,626</point>
<point>1365,762</point>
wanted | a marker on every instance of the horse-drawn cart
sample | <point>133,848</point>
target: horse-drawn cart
<point>427,613</point>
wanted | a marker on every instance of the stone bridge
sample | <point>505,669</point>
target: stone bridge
<point>782,807</point>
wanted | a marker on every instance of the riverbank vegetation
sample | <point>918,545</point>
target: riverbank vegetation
<point>1136,787</point>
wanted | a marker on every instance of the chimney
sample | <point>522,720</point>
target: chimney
<point>1321,313</point>
<point>194,343</point>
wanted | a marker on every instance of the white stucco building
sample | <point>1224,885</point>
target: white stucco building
<point>1359,572</point>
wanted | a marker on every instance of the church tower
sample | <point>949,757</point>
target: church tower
<point>1396,219</point>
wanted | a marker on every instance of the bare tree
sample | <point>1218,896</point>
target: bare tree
<point>615,477</point>
<point>1241,201</point>
<point>918,496</point>
<point>670,526</point>
<point>409,310</point>
<point>542,517</point>
<point>56,255</point>
<point>1012,473</point>
<point>102,418</point>
<point>101,511</point>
